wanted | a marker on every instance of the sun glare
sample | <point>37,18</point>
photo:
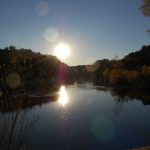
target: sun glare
<point>63,96</point>
<point>62,51</point>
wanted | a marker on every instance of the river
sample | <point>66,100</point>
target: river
<point>80,117</point>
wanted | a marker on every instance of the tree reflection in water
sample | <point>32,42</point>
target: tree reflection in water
<point>129,94</point>
<point>124,95</point>
<point>15,124</point>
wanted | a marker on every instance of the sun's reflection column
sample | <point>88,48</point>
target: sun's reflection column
<point>63,96</point>
<point>65,129</point>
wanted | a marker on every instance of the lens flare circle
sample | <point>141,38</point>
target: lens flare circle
<point>42,8</point>
<point>51,34</point>
<point>13,80</point>
<point>62,51</point>
<point>103,129</point>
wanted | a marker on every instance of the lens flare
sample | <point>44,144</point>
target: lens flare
<point>42,8</point>
<point>13,80</point>
<point>51,34</point>
<point>103,129</point>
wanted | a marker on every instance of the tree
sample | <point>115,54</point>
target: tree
<point>146,8</point>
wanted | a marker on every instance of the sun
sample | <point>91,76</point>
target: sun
<point>62,51</point>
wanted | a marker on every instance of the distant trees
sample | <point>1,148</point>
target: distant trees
<point>136,60</point>
<point>102,65</point>
<point>145,75</point>
<point>122,77</point>
<point>132,70</point>
<point>24,70</point>
<point>146,7</point>
<point>79,74</point>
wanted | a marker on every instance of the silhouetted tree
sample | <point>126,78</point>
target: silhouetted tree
<point>146,7</point>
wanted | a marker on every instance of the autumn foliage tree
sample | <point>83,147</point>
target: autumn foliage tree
<point>132,70</point>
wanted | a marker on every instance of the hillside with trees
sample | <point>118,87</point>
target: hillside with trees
<point>132,70</point>
<point>22,70</point>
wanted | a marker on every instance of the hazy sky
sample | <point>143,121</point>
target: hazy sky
<point>94,29</point>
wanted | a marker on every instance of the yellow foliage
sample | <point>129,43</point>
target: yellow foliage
<point>122,75</point>
<point>145,71</point>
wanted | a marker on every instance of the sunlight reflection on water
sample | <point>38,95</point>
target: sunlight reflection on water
<point>63,98</point>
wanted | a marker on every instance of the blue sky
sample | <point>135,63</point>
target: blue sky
<point>94,29</point>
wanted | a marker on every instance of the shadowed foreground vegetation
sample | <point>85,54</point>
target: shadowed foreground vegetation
<point>23,70</point>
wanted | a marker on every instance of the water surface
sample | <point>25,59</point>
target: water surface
<point>81,117</point>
